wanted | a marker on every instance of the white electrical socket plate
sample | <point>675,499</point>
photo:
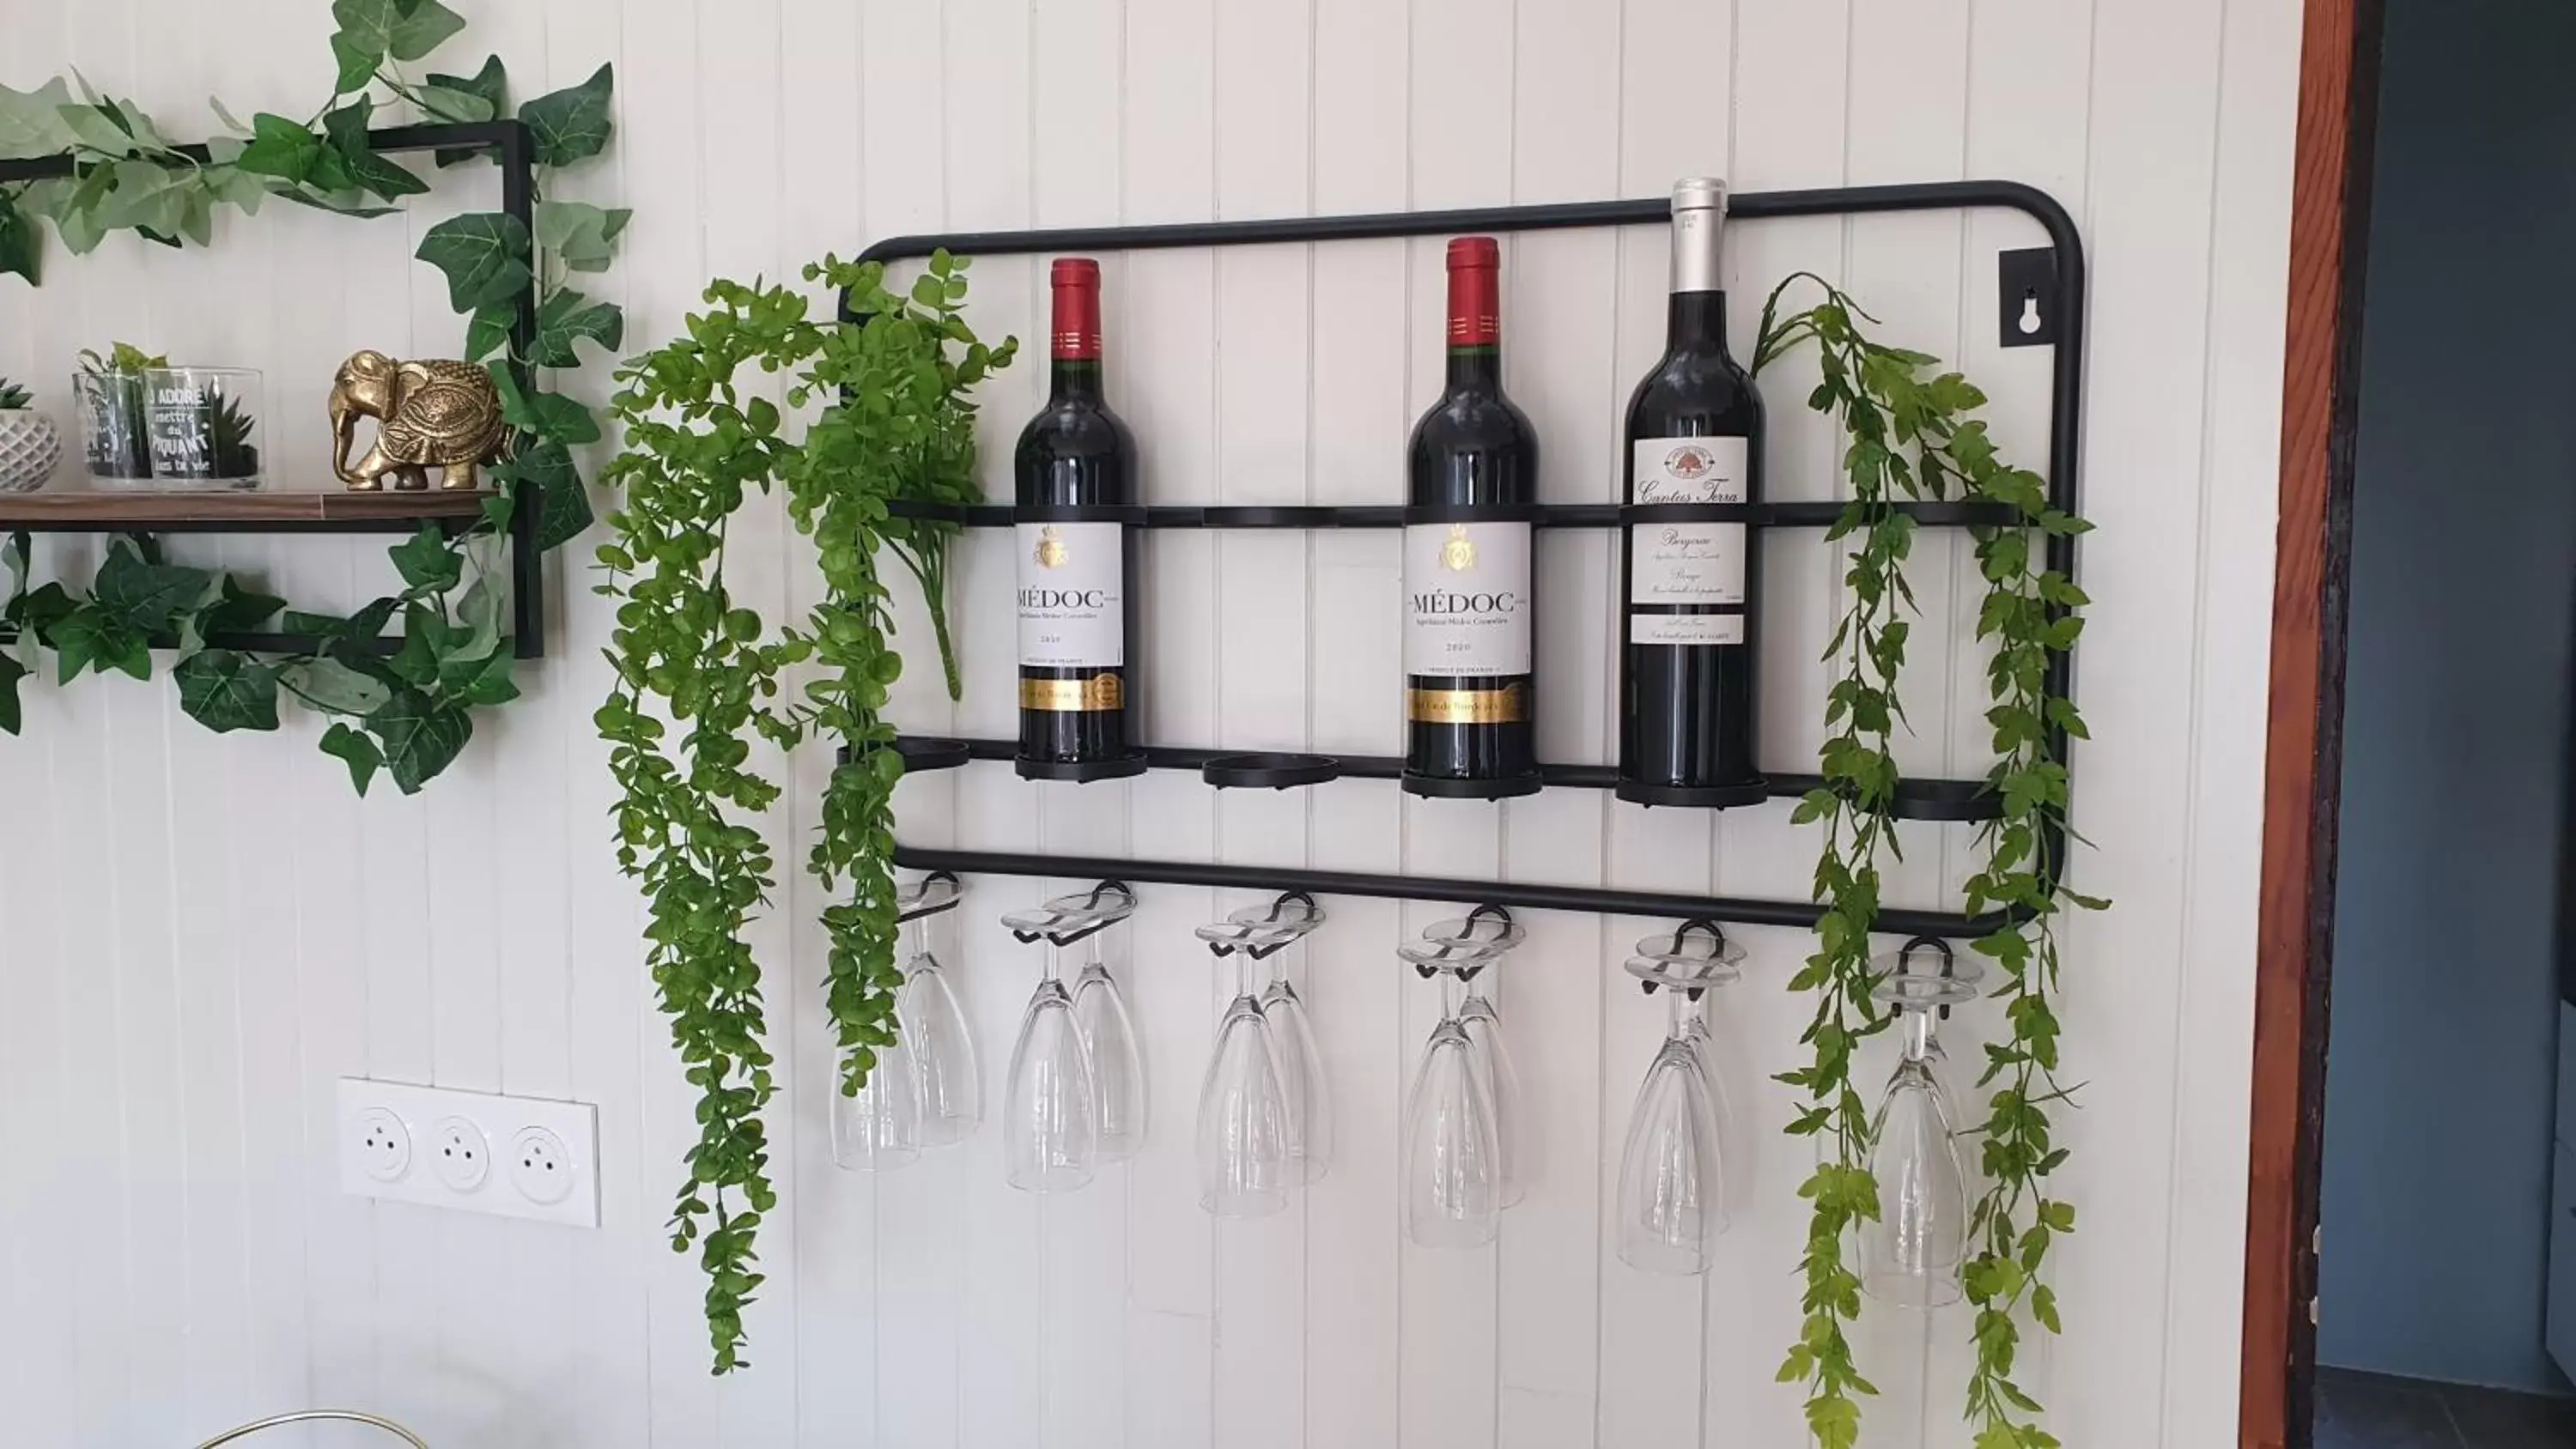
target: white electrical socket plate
<point>505,1121</point>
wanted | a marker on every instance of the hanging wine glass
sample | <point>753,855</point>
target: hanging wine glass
<point>879,1128</point>
<point>1051,1130</point>
<point>1672,1171</point>
<point>1452,1151</point>
<point>1492,930</point>
<point>1117,1065</point>
<point>1245,1133</point>
<point>1292,1032</point>
<point>932,1023</point>
<point>1912,1254</point>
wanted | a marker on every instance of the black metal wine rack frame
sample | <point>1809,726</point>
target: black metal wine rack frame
<point>1917,799</point>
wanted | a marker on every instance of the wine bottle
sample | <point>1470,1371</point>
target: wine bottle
<point>1689,579</point>
<point>1077,527</point>
<point>1469,728</point>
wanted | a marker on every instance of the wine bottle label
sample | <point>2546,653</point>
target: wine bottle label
<point>1685,628</point>
<point>1466,599</point>
<point>1688,563</point>
<point>1072,605</point>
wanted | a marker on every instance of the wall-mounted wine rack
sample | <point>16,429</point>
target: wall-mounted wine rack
<point>1916,799</point>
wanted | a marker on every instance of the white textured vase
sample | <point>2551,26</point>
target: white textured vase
<point>29,448</point>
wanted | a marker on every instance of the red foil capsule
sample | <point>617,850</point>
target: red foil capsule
<point>1075,332</point>
<point>1475,292</point>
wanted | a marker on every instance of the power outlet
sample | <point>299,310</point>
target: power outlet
<point>518,1157</point>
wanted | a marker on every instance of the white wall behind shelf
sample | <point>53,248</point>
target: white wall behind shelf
<point>204,932</point>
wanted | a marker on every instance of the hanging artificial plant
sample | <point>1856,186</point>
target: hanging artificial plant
<point>1910,437</point>
<point>699,671</point>
<point>407,712</point>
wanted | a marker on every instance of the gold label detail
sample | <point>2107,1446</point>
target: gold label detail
<point>1458,555</point>
<point>1508,705</point>
<point>1068,696</point>
<point>1051,552</point>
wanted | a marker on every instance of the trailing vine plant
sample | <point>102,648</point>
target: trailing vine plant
<point>407,712</point>
<point>699,671</point>
<point>1910,437</point>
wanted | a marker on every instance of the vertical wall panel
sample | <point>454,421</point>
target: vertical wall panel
<point>206,932</point>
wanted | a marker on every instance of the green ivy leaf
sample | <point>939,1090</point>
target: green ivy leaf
<point>572,124</point>
<point>22,243</point>
<point>423,26</point>
<point>328,685</point>
<point>489,683</point>
<point>421,738</point>
<point>227,691</point>
<point>358,749</point>
<point>427,563</point>
<point>142,597</point>
<point>480,612</point>
<point>484,255</point>
<point>488,330</point>
<point>280,148</point>
<point>237,608</point>
<point>547,480</point>
<point>346,129</point>
<point>355,65</point>
<point>11,672</point>
<point>582,235</point>
<point>31,122</point>
<point>566,318</point>
<point>367,623</point>
<point>550,415</point>
<point>416,662</point>
<point>488,89</point>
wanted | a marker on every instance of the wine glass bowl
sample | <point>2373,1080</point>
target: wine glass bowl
<point>1051,1123</point>
<point>1453,1145</point>
<point>1673,1177</point>
<point>879,1127</point>
<point>1912,1253</point>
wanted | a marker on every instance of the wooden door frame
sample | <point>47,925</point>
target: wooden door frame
<point>2303,764</point>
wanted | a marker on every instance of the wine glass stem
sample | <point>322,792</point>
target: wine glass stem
<point>1918,1035</point>
<point>1677,1005</point>
<point>1243,973</point>
<point>1452,987</point>
<point>912,936</point>
<point>1053,962</point>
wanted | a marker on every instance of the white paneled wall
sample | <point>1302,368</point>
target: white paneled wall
<point>201,933</point>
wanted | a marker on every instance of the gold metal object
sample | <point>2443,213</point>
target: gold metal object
<point>443,415</point>
<point>1052,551</point>
<point>1507,705</point>
<point>309,1416</point>
<point>1459,554</point>
<point>1100,691</point>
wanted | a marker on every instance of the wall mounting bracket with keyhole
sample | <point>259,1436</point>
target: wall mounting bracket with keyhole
<point>2026,296</point>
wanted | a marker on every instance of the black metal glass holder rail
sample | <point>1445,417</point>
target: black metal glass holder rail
<point>1917,799</point>
<point>513,147</point>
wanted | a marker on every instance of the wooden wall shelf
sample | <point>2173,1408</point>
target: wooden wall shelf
<point>64,510</point>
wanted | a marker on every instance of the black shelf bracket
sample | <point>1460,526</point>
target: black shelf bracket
<point>2063,314</point>
<point>514,148</point>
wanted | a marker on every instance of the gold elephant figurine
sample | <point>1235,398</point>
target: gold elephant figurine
<point>444,415</point>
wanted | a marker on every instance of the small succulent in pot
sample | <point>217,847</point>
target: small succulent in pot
<point>116,426</point>
<point>30,445</point>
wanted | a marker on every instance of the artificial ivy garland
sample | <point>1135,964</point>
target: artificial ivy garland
<point>695,661</point>
<point>1910,438</point>
<point>408,713</point>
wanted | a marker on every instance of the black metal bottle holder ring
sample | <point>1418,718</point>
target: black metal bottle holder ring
<point>1953,800</point>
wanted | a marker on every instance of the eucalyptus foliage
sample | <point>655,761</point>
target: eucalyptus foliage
<point>1909,437</point>
<point>402,706</point>
<point>700,672</point>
